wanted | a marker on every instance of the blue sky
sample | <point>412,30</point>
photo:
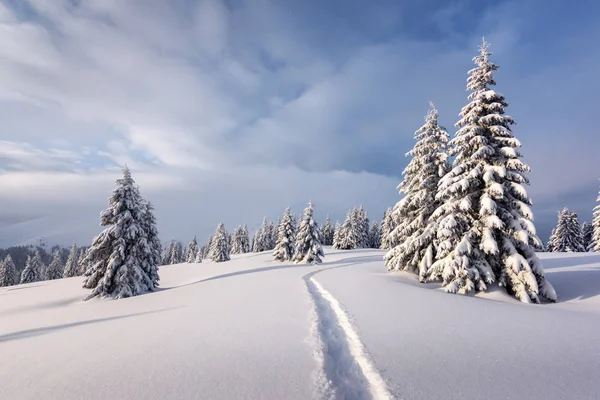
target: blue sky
<point>231,110</point>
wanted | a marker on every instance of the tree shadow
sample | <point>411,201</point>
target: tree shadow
<point>238,273</point>
<point>575,284</point>
<point>550,263</point>
<point>10,289</point>
<point>54,328</point>
<point>362,259</point>
<point>40,306</point>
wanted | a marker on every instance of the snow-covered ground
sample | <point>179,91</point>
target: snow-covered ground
<point>253,328</point>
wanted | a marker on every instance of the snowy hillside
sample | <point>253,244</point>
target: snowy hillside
<point>253,328</point>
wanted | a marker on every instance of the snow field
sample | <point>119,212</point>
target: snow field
<point>252,328</point>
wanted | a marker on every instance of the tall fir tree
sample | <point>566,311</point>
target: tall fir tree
<point>284,249</point>
<point>387,227</point>
<point>245,239</point>
<point>587,233</point>
<point>415,235</point>
<point>348,234</point>
<point>336,235</point>
<point>116,259</point>
<point>153,251</point>
<point>551,241</point>
<point>596,227</point>
<point>199,256</point>
<point>308,239</point>
<point>236,245</point>
<point>485,222</point>
<point>55,269</point>
<point>33,269</point>
<point>567,234</point>
<point>327,232</point>
<point>374,236</point>
<point>81,265</point>
<point>71,266</point>
<point>207,247</point>
<point>219,250</point>
<point>361,225</point>
<point>8,272</point>
<point>168,251</point>
<point>192,250</point>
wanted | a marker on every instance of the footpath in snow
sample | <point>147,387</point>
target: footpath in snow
<point>253,328</point>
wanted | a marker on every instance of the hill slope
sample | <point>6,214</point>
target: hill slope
<point>252,328</point>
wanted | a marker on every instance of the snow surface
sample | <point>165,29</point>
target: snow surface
<point>253,328</point>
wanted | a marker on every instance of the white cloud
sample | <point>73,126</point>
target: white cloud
<point>211,100</point>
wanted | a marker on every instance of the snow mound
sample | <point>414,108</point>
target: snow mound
<point>253,328</point>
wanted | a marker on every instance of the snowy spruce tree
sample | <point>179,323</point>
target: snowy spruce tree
<point>327,232</point>
<point>236,247</point>
<point>336,235</point>
<point>8,272</point>
<point>595,245</point>
<point>567,234</point>
<point>71,267</point>
<point>308,239</point>
<point>192,250</point>
<point>414,236</point>
<point>117,259</point>
<point>199,256</point>
<point>55,269</point>
<point>374,236</point>
<point>284,249</point>
<point>486,228</point>
<point>551,241</point>
<point>81,265</point>
<point>33,269</point>
<point>347,235</point>
<point>587,233</point>
<point>206,248</point>
<point>151,245</point>
<point>387,226</point>
<point>360,223</point>
<point>219,250</point>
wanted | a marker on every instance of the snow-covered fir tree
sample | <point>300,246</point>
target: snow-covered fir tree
<point>336,235</point>
<point>245,240</point>
<point>236,245</point>
<point>596,227</point>
<point>308,239</point>
<point>55,269</point>
<point>551,241</point>
<point>262,237</point>
<point>486,228</point>
<point>168,250</point>
<point>375,236</point>
<point>587,233</point>
<point>284,249</point>
<point>387,226</point>
<point>8,272</point>
<point>81,265</point>
<point>206,248</point>
<point>33,269</point>
<point>174,254</point>
<point>199,256</point>
<point>567,234</point>
<point>117,257</point>
<point>347,234</point>
<point>414,236</point>
<point>240,241</point>
<point>361,225</point>
<point>71,266</point>
<point>192,250</point>
<point>327,232</point>
<point>219,250</point>
<point>154,250</point>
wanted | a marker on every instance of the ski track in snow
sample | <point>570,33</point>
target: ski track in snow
<point>344,360</point>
